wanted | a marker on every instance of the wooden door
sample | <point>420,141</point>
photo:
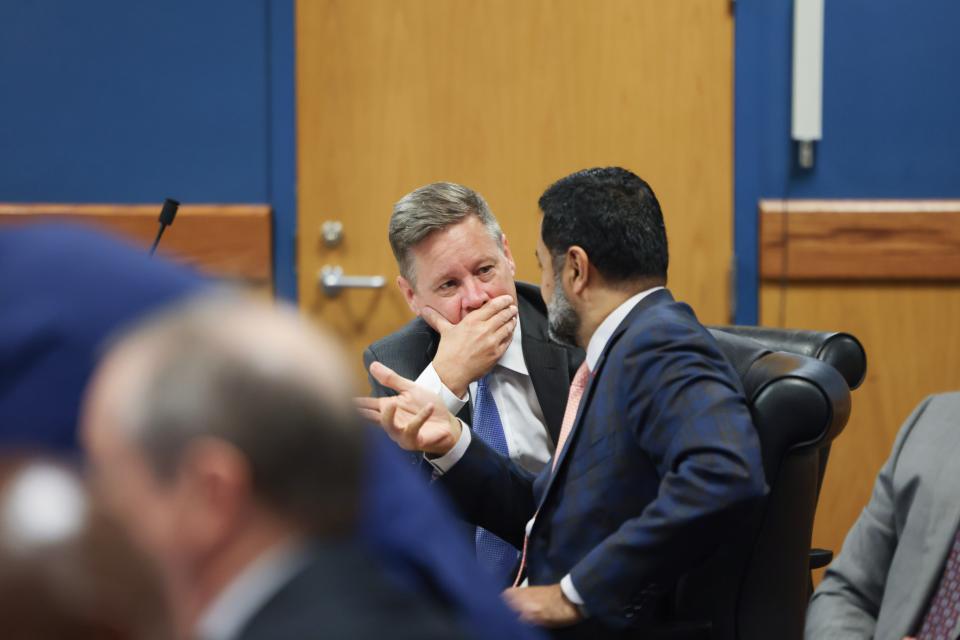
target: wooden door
<point>506,96</point>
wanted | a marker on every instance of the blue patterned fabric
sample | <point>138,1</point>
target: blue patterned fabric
<point>496,556</point>
<point>661,463</point>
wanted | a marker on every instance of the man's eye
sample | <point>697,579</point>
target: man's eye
<point>485,270</point>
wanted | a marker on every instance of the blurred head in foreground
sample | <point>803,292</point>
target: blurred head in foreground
<point>67,570</point>
<point>220,431</point>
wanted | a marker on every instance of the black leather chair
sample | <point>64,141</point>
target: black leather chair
<point>840,350</point>
<point>757,587</point>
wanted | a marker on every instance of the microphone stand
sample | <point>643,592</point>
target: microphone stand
<point>167,214</point>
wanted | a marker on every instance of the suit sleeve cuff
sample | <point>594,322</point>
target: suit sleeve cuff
<point>445,462</point>
<point>571,594</point>
<point>429,379</point>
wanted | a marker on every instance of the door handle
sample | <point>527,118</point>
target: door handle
<point>332,281</point>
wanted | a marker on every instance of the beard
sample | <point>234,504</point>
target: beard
<point>563,322</point>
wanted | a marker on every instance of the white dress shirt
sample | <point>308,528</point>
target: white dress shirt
<point>234,606</point>
<point>598,342</point>
<point>520,413</point>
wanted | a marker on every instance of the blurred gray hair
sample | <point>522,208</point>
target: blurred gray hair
<point>432,208</point>
<point>280,399</point>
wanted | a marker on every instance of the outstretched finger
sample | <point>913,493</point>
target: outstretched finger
<point>366,402</point>
<point>390,378</point>
<point>388,415</point>
<point>370,415</point>
<point>412,429</point>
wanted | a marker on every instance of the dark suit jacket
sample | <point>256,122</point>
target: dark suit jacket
<point>661,460</point>
<point>551,366</point>
<point>342,594</point>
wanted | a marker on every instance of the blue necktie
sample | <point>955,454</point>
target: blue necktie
<point>493,554</point>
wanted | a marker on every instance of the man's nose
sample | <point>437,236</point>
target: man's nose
<point>474,296</point>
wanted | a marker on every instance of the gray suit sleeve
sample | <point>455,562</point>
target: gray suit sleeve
<point>847,602</point>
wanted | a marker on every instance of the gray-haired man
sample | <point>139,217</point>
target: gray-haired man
<point>502,376</point>
<point>221,435</point>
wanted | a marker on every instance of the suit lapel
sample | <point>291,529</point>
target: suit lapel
<point>657,297</point>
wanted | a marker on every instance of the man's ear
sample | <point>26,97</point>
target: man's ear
<point>215,489</point>
<point>576,269</point>
<point>407,290</point>
<point>508,255</point>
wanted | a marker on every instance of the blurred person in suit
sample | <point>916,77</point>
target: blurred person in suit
<point>479,340</point>
<point>657,457</point>
<point>67,570</point>
<point>65,288</point>
<point>898,573</point>
<point>223,436</point>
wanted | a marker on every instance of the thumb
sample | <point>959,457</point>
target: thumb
<point>436,320</point>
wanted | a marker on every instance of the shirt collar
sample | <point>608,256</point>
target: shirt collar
<point>600,338</point>
<point>234,606</point>
<point>512,358</point>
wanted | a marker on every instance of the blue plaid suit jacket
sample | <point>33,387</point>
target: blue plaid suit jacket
<point>662,461</point>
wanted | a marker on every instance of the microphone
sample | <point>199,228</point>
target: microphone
<point>167,214</point>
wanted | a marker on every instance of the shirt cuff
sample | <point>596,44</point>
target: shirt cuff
<point>445,462</point>
<point>429,379</point>
<point>570,593</point>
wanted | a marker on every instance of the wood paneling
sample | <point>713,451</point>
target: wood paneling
<point>910,329</point>
<point>231,241</point>
<point>860,240</point>
<point>506,97</point>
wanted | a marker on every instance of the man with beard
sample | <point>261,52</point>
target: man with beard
<point>657,456</point>
<point>502,376</point>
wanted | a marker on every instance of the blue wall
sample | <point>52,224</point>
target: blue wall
<point>133,101</point>
<point>891,111</point>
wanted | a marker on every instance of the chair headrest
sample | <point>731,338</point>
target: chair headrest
<point>796,400</point>
<point>741,352</point>
<point>840,350</point>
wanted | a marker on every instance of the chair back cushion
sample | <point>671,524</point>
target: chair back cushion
<point>756,586</point>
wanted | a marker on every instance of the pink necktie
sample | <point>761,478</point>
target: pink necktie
<point>577,386</point>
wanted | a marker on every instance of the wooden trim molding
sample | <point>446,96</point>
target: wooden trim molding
<point>226,240</point>
<point>860,239</point>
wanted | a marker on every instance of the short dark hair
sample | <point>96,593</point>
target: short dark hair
<point>614,216</point>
